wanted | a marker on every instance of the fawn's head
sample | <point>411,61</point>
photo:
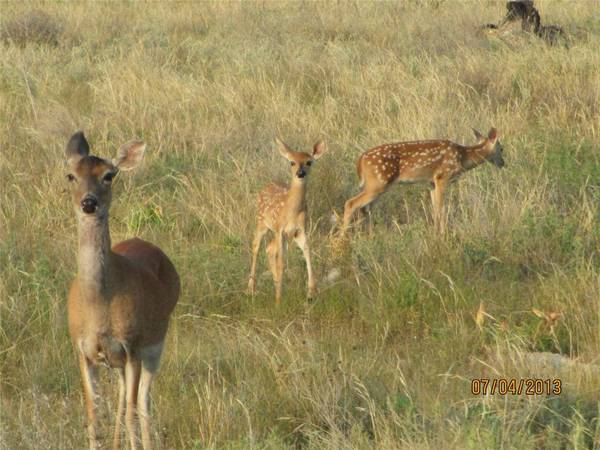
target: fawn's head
<point>300,162</point>
<point>91,177</point>
<point>493,147</point>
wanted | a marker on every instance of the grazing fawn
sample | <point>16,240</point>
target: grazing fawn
<point>437,162</point>
<point>121,299</point>
<point>282,209</point>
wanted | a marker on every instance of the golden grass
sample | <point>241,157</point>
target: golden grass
<point>384,357</point>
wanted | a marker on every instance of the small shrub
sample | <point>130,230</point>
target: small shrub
<point>33,26</point>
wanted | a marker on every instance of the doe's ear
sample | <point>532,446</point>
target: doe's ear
<point>282,148</point>
<point>77,148</point>
<point>130,155</point>
<point>493,135</point>
<point>319,149</point>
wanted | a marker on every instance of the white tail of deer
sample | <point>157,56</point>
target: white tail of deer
<point>282,209</point>
<point>121,299</point>
<point>437,162</point>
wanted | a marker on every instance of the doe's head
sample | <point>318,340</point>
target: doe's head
<point>90,177</point>
<point>492,145</point>
<point>300,162</point>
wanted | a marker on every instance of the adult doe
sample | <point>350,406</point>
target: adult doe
<point>437,162</point>
<point>121,299</point>
<point>282,209</point>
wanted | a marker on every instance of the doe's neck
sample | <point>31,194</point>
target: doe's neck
<point>94,254</point>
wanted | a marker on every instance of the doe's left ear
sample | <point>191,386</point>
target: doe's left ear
<point>130,155</point>
<point>319,149</point>
<point>77,148</point>
<point>493,135</point>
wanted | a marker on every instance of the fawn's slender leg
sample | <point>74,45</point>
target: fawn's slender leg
<point>120,410</point>
<point>272,259</point>
<point>359,201</point>
<point>438,204</point>
<point>89,375</point>
<point>433,206</point>
<point>275,253</point>
<point>150,361</point>
<point>261,229</point>
<point>300,239</point>
<point>367,212</point>
<point>280,263</point>
<point>132,382</point>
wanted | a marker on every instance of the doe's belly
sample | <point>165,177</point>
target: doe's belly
<point>103,349</point>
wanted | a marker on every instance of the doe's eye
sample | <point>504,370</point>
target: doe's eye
<point>108,177</point>
<point>308,163</point>
<point>70,177</point>
<point>292,163</point>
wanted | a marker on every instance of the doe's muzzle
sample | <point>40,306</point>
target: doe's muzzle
<point>89,204</point>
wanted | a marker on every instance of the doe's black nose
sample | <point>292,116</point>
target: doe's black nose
<point>300,173</point>
<point>89,204</point>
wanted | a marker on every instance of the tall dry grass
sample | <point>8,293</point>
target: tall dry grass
<point>384,357</point>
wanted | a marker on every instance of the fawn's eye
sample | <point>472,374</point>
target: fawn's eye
<point>108,177</point>
<point>70,177</point>
<point>292,163</point>
<point>308,163</point>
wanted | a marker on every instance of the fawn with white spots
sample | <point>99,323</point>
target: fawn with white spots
<point>121,299</point>
<point>282,209</point>
<point>437,162</point>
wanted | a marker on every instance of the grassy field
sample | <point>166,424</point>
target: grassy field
<point>384,356</point>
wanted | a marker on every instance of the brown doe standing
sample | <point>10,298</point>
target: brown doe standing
<point>282,209</point>
<point>437,162</point>
<point>121,299</point>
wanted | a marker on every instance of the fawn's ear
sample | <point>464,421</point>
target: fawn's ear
<point>478,135</point>
<point>77,148</point>
<point>318,149</point>
<point>130,155</point>
<point>493,135</point>
<point>283,149</point>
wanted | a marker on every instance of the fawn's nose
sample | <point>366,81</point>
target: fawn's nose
<point>89,204</point>
<point>301,173</point>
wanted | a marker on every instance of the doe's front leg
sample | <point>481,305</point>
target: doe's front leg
<point>132,382</point>
<point>89,376</point>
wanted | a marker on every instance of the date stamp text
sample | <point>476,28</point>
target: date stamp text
<point>514,386</point>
